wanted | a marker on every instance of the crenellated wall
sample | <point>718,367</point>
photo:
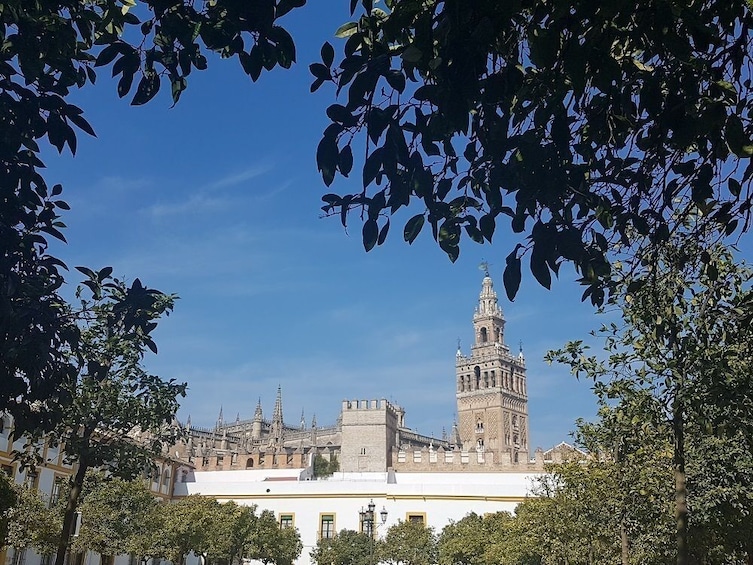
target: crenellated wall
<point>440,460</point>
<point>369,434</point>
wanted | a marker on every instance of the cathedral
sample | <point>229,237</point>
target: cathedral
<point>370,435</point>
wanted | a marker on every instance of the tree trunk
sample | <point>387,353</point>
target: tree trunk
<point>624,545</point>
<point>70,510</point>
<point>681,505</point>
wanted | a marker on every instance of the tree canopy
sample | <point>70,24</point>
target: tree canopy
<point>409,543</point>
<point>114,514</point>
<point>348,547</point>
<point>273,544</point>
<point>119,416</point>
<point>589,127</point>
<point>49,49</point>
<point>681,361</point>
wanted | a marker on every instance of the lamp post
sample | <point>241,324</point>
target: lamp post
<point>368,519</point>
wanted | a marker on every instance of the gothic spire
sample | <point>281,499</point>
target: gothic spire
<point>277,414</point>
<point>303,421</point>
<point>220,421</point>
<point>258,415</point>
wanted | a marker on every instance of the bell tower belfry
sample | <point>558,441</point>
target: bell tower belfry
<point>491,385</point>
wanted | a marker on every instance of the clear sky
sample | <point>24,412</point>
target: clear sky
<point>217,200</point>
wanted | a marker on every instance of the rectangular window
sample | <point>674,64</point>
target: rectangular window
<point>416,517</point>
<point>57,484</point>
<point>286,521</point>
<point>326,526</point>
<point>18,557</point>
<point>32,480</point>
<point>363,451</point>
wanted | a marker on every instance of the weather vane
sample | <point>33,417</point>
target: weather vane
<point>484,266</point>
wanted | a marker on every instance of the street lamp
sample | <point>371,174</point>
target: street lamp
<point>367,519</point>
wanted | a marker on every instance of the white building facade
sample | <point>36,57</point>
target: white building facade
<point>322,507</point>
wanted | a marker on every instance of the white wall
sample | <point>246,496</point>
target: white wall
<point>441,497</point>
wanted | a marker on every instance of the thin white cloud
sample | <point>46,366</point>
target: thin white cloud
<point>233,179</point>
<point>205,200</point>
<point>196,203</point>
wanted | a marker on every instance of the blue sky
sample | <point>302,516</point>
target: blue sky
<point>217,200</point>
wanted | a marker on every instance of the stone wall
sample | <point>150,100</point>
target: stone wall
<point>369,434</point>
<point>427,460</point>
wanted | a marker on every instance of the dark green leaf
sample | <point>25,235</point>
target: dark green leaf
<point>413,228</point>
<point>396,80</point>
<point>512,275</point>
<point>346,30</point>
<point>372,167</point>
<point>734,187</point>
<point>147,89</point>
<point>370,234</point>
<point>383,232</point>
<point>345,162</point>
<point>328,54</point>
<point>285,6</point>
<point>539,266</point>
<point>340,114</point>
<point>326,159</point>
<point>487,224</point>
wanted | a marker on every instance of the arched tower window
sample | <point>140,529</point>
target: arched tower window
<point>477,374</point>
<point>484,336</point>
<point>249,462</point>
<point>461,384</point>
<point>497,337</point>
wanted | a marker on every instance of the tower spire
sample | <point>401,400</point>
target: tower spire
<point>258,414</point>
<point>220,420</point>
<point>277,414</point>
<point>277,421</point>
<point>488,320</point>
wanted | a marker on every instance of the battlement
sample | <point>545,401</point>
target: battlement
<point>445,460</point>
<point>371,405</point>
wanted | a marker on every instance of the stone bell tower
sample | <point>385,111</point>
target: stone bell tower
<point>491,385</point>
